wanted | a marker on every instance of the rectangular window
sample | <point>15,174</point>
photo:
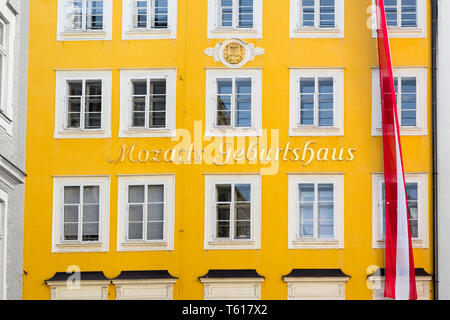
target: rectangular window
<point>318,13</point>
<point>150,14</point>
<point>148,103</point>
<point>401,13</point>
<point>236,14</point>
<point>233,211</point>
<point>145,212</point>
<point>81,213</point>
<point>84,15</point>
<point>406,95</point>
<point>412,198</point>
<point>84,104</point>
<point>316,211</point>
<point>316,102</point>
<point>234,103</point>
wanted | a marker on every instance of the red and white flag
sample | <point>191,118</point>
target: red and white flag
<point>400,282</point>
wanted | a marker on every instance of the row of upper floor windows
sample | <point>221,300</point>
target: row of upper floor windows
<point>157,19</point>
<point>233,102</point>
<point>232,212</point>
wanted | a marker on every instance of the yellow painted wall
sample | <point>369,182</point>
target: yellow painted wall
<point>47,157</point>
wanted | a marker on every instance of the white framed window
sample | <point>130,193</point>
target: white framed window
<point>411,93</point>
<point>232,285</point>
<point>423,280</point>
<point>149,19</point>
<point>417,197</point>
<point>3,242</point>
<point>404,18</point>
<point>232,211</point>
<point>235,19</point>
<point>7,36</point>
<point>80,214</point>
<point>316,106</point>
<point>316,284</point>
<point>233,102</point>
<point>316,211</point>
<point>317,18</point>
<point>145,217</point>
<point>83,104</point>
<point>144,285</point>
<point>84,20</point>
<point>148,103</point>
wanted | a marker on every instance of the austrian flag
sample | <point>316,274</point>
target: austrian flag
<point>400,282</point>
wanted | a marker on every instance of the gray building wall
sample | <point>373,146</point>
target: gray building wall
<point>12,148</point>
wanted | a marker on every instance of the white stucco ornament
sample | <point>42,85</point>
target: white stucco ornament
<point>234,53</point>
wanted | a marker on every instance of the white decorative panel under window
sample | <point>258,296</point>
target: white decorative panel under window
<point>316,289</point>
<point>316,211</point>
<point>84,20</point>
<point>404,18</point>
<point>317,18</point>
<point>232,289</point>
<point>411,92</point>
<point>234,19</point>
<point>80,214</point>
<point>149,19</point>
<point>417,196</point>
<point>316,105</point>
<point>148,103</point>
<point>83,104</point>
<point>232,212</point>
<point>88,290</point>
<point>146,213</point>
<point>422,287</point>
<point>144,289</point>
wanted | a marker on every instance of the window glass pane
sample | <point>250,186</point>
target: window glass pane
<point>155,231</point>
<point>224,93</point>
<point>327,14</point>
<point>408,102</point>
<point>409,13</point>
<point>70,231</point>
<point>326,211</point>
<point>72,195</point>
<point>136,213</point>
<point>155,212</point>
<point>308,13</point>
<point>75,14</point>
<point>94,14</point>
<point>412,196</point>
<point>390,8</point>
<point>306,220</point>
<point>325,192</point>
<point>71,213</point>
<point>140,14</point>
<point>74,93</point>
<point>223,220</point>
<point>242,192</point>
<point>160,14</point>
<point>307,91</point>
<point>326,101</point>
<point>93,109</point>
<point>243,102</point>
<point>223,229</point>
<point>156,193</point>
<point>306,192</point>
<point>242,230</point>
<point>223,212</point>
<point>91,194</point>
<point>91,213</point>
<point>157,113</point>
<point>223,193</point>
<point>245,14</point>
<point>135,231</point>
<point>136,194</point>
<point>226,13</point>
<point>90,232</point>
<point>242,211</point>
<point>139,87</point>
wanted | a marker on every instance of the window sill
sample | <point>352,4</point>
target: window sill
<point>316,244</point>
<point>416,243</point>
<point>81,134</point>
<point>83,35</point>
<point>219,33</point>
<point>79,247</point>
<point>231,244</point>
<point>233,132</point>
<point>144,133</point>
<point>143,34</point>
<point>398,32</point>
<point>316,131</point>
<point>404,131</point>
<point>305,32</point>
<point>144,246</point>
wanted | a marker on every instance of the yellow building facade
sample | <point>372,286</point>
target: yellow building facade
<point>125,101</point>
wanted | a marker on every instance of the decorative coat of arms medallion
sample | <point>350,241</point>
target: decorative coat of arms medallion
<point>234,53</point>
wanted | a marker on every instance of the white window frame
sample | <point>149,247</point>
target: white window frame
<point>217,32</point>
<point>232,288</point>
<point>4,242</point>
<point>63,34</point>
<point>167,244</point>
<point>299,31</point>
<point>378,242</point>
<point>8,19</point>
<point>126,76</point>
<point>295,129</point>
<point>58,245</point>
<point>405,32</point>
<point>211,102</point>
<point>421,75</point>
<point>61,107</point>
<point>310,243</point>
<point>130,33</point>
<point>88,290</point>
<point>316,288</point>
<point>376,283</point>
<point>144,289</point>
<point>212,243</point>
